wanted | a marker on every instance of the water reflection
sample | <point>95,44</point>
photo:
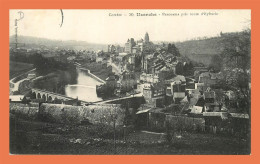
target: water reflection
<point>85,89</point>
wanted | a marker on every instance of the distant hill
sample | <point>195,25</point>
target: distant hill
<point>36,42</point>
<point>202,50</point>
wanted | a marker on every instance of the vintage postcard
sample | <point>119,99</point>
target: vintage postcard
<point>130,82</point>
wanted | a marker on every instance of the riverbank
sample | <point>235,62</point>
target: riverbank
<point>55,81</point>
<point>84,88</point>
<point>91,75</point>
<point>98,69</point>
<point>20,83</point>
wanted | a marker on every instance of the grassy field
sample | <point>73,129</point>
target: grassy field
<point>16,68</point>
<point>35,137</point>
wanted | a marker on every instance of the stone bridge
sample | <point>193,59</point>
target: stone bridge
<point>48,96</point>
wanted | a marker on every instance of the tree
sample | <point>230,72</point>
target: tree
<point>188,69</point>
<point>236,68</point>
<point>179,68</point>
<point>138,63</point>
<point>173,50</point>
<point>216,63</point>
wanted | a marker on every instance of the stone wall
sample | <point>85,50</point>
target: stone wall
<point>29,111</point>
<point>93,114</point>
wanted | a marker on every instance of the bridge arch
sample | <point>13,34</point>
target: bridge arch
<point>39,96</point>
<point>50,99</point>
<point>44,97</point>
<point>34,95</point>
<point>50,96</point>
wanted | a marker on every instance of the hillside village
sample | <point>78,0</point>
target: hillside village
<point>154,87</point>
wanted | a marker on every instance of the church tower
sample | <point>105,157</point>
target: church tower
<point>146,38</point>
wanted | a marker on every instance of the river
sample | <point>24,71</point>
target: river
<point>85,89</point>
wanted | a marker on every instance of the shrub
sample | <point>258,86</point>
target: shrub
<point>169,133</point>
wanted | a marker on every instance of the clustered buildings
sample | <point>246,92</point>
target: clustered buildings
<point>142,67</point>
<point>149,69</point>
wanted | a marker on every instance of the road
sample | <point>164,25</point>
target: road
<point>15,85</point>
<point>122,98</point>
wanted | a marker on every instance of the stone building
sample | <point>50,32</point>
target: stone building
<point>146,38</point>
<point>154,94</point>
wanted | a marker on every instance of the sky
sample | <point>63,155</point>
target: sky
<point>98,26</point>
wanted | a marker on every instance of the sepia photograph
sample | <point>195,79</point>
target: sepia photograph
<point>130,82</point>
